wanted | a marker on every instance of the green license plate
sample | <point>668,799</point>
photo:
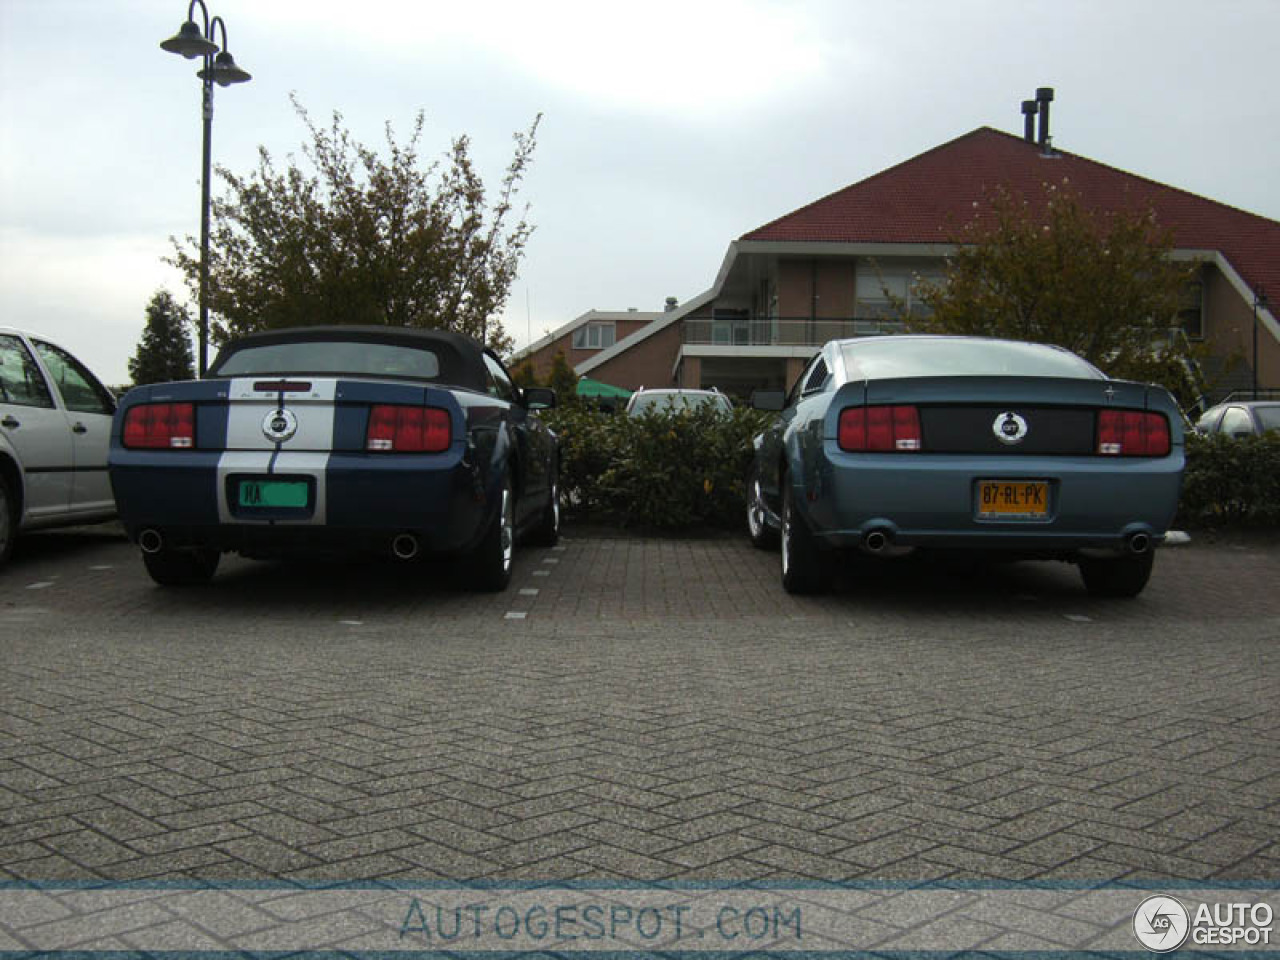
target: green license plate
<point>272,493</point>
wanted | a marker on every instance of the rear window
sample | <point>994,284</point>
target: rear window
<point>1269,417</point>
<point>680,401</point>
<point>879,359</point>
<point>357,358</point>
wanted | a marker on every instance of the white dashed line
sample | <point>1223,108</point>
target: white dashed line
<point>1078,618</point>
<point>529,592</point>
<point>550,559</point>
<point>515,615</point>
<point>542,573</point>
<point>104,566</point>
<point>352,623</point>
<point>40,585</point>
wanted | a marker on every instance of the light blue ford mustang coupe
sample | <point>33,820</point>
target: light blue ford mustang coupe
<point>351,440</point>
<point>1018,450</point>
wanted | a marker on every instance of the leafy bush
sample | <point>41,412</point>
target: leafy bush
<point>662,471</point>
<point>1231,481</point>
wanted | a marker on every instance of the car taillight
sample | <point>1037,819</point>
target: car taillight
<point>880,429</point>
<point>1132,433</point>
<point>407,429</point>
<point>160,426</point>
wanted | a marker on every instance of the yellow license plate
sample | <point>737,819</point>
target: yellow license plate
<point>1012,498</point>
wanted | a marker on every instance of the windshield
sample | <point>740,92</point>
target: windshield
<point>679,401</point>
<point>872,358</point>
<point>332,356</point>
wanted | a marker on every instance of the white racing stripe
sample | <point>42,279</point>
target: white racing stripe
<point>251,450</point>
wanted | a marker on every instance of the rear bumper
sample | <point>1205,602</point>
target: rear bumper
<point>358,504</point>
<point>917,500</point>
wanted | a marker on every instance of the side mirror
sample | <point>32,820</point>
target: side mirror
<point>539,398</point>
<point>768,399</point>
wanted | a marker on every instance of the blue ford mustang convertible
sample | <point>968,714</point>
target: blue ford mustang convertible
<point>364,440</point>
<point>1013,449</point>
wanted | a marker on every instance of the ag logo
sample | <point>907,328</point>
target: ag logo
<point>1009,428</point>
<point>1161,924</point>
<point>279,425</point>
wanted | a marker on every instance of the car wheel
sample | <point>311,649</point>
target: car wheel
<point>763,536</point>
<point>547,532</point>
<point>802,570</point>
<point>491,563</point>
<point>182,568</point>
<point>1116,576</point>
<point>8,520</point>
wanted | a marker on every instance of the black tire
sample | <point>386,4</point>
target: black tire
<point>763,536</point>
<point>1116,576</point>
<point>547,532</point>
<point>8,520</point>
<point>802,569</point>
<point>182,568</point>
<point>492,560</point>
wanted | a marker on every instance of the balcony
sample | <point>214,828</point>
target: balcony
<point>782,331</point>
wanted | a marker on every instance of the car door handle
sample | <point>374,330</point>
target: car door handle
<point>10,422</point>
<point>79,428</point>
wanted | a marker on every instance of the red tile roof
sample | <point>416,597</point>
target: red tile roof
<point>928,198</point>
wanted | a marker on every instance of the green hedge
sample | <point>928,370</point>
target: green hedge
<point>1231,482</point>
<point>659,471</point>
<point>675,471</point>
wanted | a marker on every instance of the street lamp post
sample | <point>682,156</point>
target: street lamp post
<point>220,68</point>
<point>1259,300</point>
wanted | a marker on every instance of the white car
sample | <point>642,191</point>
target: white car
<point>677,400</point>
<point>55,431</point>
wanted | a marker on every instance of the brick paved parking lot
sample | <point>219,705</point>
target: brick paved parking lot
<point>638,709</point>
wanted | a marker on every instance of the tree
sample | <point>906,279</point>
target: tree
<point>525,375</point>
<point>359,238</point>
<point>563,380</point>
<point>164,351</point>
<point>1053,270</point>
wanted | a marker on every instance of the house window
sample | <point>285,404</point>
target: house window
<point>594,336</point>
<point>890,293</point>
<point>1191,311</point>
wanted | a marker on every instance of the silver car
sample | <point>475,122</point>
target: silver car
<point>1013,449</point>
<point>55,431</point>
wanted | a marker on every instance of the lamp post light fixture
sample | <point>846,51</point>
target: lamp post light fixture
<point>1259,300</point>
<point>219,67</point>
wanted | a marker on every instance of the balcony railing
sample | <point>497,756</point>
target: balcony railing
<point>782,332</point>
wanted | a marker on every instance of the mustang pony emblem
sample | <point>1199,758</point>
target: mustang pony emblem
<point>279,425</point>
<point>1009,428</point>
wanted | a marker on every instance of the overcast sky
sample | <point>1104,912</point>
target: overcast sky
<point>670,128</point>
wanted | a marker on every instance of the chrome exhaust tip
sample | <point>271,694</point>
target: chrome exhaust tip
<point>405,546</point>
<point>150,541</point>
<point>875,541</point>
<point>1139,543</point>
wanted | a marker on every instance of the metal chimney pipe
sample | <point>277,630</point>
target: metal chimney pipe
<point>1029,108</point>
<point>1044,96</point>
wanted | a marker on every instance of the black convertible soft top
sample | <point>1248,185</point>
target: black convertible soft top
<point>460,358</point>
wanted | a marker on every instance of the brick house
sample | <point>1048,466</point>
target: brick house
<point>585,337</point>
<point>822,271</point>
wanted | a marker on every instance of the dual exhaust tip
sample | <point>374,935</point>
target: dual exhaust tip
<point>405,546</point>
<point>879,539</point>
